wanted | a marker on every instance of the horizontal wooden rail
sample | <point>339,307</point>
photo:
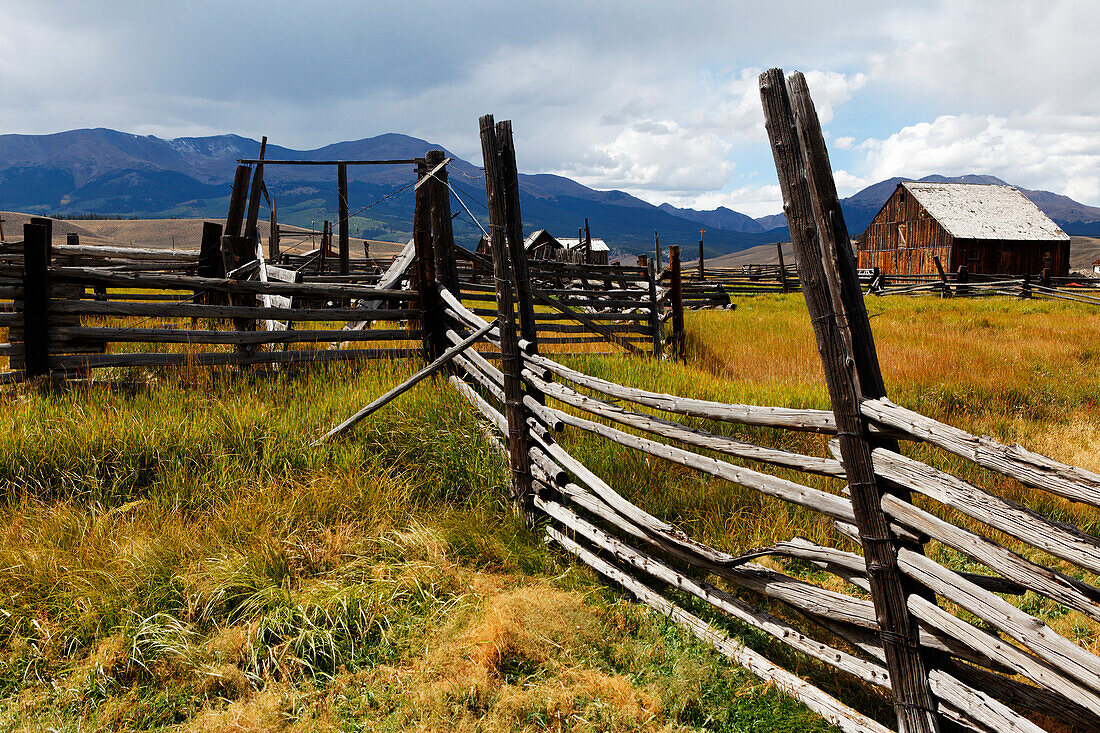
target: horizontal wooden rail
<point>188,336</point>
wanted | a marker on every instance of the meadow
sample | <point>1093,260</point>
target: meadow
<point>174,554</point>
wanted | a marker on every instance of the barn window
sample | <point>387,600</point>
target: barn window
<point>974,255</point>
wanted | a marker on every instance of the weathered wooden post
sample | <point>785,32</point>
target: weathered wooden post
<point>782,268</point>
<point>273,235</point>
<point>945,287</point>
<point>587,243</point>
<point>656,252</point>
<point>443,238</point>
<point>234,220</point>
<point>431,309</point>
<point>1025,287</point>
<point>45,221</point>
<point>345,242</point>
<point>676,296</point>
<point>210,262</point>
<point>517,255</point>
<point>702,264</point>
<point>326,245</point>
<point>830,285</point>
<point>36,299</point>
<point>654,311</point>
<point>251,226</point>
<point>962,279</point>
<point>518,443</point>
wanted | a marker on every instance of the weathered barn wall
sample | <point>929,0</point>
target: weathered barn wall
<point>903,238</point>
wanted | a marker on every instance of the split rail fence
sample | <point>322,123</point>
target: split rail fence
<point>950,648</point>
<point>71,308</point>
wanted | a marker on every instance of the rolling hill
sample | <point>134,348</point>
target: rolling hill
<point>113,173</point>
<point>108,172</point>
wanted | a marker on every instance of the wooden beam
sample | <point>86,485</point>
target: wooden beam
<point>36,300</point>
<point>914,704</point>
<point>408,384</point>
<point>511,364</point>
<point>345,244</point>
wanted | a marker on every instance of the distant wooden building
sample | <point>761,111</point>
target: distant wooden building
<point>541,245</point>
<point>989,229</point>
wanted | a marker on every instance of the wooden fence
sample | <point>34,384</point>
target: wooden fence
<point>950,647</point>
<point>71,308</point>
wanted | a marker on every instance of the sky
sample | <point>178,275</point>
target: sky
<point>658,99</point>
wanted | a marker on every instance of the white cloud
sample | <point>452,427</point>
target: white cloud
<point>659,156</point>
<point>1031,150</point>
<point>642,95</point>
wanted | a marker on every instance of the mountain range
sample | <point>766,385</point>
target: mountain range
<point>105,172</point>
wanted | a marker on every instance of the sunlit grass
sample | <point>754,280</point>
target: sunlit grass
<point>175,552</point>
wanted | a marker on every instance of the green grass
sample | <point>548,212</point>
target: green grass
<point>175,554</point>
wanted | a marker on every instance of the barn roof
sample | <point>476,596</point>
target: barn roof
<point>598,245</point>
<point>984,211</point>
<point>537,237</point>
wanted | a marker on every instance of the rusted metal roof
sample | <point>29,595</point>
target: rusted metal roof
<point>984,211</point>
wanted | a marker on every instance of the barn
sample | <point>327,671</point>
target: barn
<point>541,245</point>
<point>988,229</point>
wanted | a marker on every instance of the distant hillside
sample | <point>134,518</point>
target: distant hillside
<point>720,218</point>
<point>108,172</point>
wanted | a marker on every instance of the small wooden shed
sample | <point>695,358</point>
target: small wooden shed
<point>990,229</point>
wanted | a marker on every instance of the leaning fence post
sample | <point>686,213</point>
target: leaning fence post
<point>782,268</point>
<point>521,273</point>
<point>36,300</point>
<point>831,288</point>
<point>676,295</point>
<point>518,444</point>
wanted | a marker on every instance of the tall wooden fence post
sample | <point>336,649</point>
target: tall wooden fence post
<point>273,235</point>
<point>234,220</point>
<point>443,238</point>
<point>676,296</point>
<point>45,221</point>
<point>654,310</point>
<point>656,252</point>
<point>827,272</point>
<point>431,307</point>
<point>36,300</point>
<point>518,444</point>
<point>517,254</point>
<point>345,241</point>
<point>782,268</point>
<point>702,262</point>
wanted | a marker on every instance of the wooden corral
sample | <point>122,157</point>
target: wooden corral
<point>987,229</point>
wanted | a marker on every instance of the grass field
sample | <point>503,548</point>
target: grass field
<point>175,555</point>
